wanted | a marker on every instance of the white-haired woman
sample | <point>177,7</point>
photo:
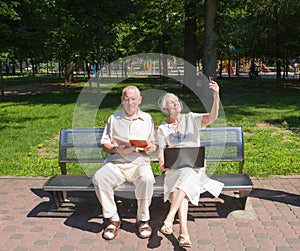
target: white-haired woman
<point>184,184</point>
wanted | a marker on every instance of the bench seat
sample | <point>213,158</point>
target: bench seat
<point>72,183</point>
<point>232,182</point>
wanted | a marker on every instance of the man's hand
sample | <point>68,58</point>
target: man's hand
<point>123,150</point>
<point>150,148</point>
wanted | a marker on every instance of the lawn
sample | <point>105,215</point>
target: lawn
<point>268,113</point>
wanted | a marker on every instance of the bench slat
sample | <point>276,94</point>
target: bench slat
<point>214,140</point>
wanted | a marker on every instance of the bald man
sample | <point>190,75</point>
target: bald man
<point>127,162</point>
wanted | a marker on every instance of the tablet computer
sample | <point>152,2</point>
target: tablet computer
<point>180,157</point>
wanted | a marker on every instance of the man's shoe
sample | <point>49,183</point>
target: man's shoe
<point>111,231</point>
<point>144,229</point>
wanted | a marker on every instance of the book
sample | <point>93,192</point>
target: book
<point>139,143</point>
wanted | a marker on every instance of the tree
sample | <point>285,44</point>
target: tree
<point>190,43</point>
<point>8,14</point>
<point>210,39</point>
<point>232,24</point>
<point>257,28</point>
<point>271,22</point>
<point>79,31</point>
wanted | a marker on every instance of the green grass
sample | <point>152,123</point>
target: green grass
<point>268,113</point>
<point>270,117</point>
<point>30,127</point>
<point>26,79</point>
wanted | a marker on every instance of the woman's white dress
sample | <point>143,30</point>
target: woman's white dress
<point>192,181</point>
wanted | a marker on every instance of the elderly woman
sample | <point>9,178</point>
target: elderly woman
<point>184,184</point>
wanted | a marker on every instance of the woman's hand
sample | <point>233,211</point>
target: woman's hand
<point>161,160</point>
<point>209,118</point>
<point>162,167</point>
<point>215,87</point>
<point>162,164</point>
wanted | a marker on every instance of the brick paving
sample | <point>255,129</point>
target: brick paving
<point>271,220</point>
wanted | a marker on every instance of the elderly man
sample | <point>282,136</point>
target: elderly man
<point>127,162</point>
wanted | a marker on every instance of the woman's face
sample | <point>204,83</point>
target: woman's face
<point>173,105</point>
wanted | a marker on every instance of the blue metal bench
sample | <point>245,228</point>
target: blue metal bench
<point>222,144</point>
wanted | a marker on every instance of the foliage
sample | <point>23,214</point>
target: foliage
<point>271,20</point>
<point>154,26</point>
<point>258,29</point>
<point>79,31</point>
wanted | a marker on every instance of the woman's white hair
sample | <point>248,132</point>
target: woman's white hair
<point>163,100</point>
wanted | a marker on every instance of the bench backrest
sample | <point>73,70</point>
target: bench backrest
<point>83,145</point>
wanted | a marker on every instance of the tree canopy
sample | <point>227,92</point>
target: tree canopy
<point>84,31</point>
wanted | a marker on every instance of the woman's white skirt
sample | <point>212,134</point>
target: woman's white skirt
<point>191,181</point>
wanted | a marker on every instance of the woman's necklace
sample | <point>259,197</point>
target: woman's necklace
<point>174,129</point>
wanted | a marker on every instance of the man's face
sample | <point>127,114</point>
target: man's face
<point>131,102</point>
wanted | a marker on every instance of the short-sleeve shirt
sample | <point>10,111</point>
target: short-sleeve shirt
<point>185,134</point>
<point>122,126</point>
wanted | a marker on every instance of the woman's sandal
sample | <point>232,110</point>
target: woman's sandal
<point>184,241</point>
<point>166,228</point>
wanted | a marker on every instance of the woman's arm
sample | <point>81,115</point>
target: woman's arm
<point>161,159</point>
<point>213,115</point>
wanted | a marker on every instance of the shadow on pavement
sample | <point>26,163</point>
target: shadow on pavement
<point>85,213</point>
<point>276,196</point>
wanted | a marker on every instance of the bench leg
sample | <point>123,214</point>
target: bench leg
<point>242,202</point>
<point>244,193</point>
<point>59,198</point>
<point>242,197</point>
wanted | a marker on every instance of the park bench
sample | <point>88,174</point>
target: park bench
<point>222,144</point>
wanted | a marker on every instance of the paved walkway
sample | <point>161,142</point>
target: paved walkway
<point>271,220</point>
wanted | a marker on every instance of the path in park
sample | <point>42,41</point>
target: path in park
<point>271,221</point>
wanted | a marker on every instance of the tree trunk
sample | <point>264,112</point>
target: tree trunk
<point>164,66</point>
<point>286,68</point>
<point>88,69</point>
<point>21,66</point>
<point>221,67</point>
<point>59,68</point>
<point>190,44</point>
<point>278,69</point>
<point>210,37</point>
<point>237,67</point>
<point>33,67</point>
<point>1,83</point>
<point>68,73</point>
<point>229,68</point>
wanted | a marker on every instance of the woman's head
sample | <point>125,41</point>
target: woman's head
<point>170,104</point>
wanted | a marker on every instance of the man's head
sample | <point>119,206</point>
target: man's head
<point>131,99</point>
